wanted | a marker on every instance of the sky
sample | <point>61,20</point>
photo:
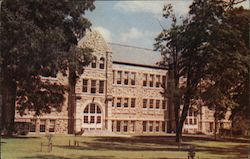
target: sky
<point>135,23</point>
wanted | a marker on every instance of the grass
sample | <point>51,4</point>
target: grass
<point>135,147</point>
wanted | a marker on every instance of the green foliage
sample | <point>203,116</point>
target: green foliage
<point>40,38</point>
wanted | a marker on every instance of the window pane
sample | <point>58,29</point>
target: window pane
<point>163,104</point>
<point>33,126</point>
<point>151,103</point>
<point>85,119</point>
<point>101,87</point>
<point>42,125</point>
<point>144,126</point>
<point>98,119</point>
<point>85,85</point>
<point>132,78</point>
<point>93,64</point>
<point>158,81</point>
<point>119,77</point>
<point>52,125</point>
<point>118,126</point>
<point>118,102</point>
<point>157,105</point>
<point>86,110</point>
<point>145,79</point>
<point>126,75</point>
<point>151,82</point>
<point>125,126</point>
<point>98,110</point>
<point>102,63</point>
<point>125,102</point>
<point>93,86</point>
<point>145,103</point>
<point>92,108</point>
<point>132,102</point>
<point>92,119</point>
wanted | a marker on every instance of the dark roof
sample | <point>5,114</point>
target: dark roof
<point>134,55</point>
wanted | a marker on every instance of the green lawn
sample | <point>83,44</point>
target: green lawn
<point>135,147</point>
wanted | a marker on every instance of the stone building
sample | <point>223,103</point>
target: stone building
<point>119,92</point>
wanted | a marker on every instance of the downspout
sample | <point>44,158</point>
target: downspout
<point>106,90</point>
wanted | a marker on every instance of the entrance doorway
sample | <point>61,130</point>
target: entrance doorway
<point>92,117</point>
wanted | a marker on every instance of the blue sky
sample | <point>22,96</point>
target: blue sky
<point>134,23</point>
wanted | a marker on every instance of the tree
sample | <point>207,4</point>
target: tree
<point>208,44</point>
<point>37,38</point>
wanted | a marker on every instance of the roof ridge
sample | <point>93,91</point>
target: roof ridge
<point>131,46</point>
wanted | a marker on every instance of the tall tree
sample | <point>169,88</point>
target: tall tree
<point>207,42</point>
<point>39,37</point>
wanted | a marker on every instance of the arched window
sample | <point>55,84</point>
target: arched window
<point>102,63</point>
<point>92,115</point>
<point>93,64</point>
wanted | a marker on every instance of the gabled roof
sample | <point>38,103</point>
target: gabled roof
<point>134,55</point>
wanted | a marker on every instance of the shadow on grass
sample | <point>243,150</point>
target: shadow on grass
<point>20,137</point>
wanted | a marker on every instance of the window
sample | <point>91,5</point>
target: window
<point>118,102</point>
<point>98,119</point>
<point>102,61</point>
<point>93,64</point>
<point>118,126</point>
<point>145,103</point>
<point>98,110</point>
<point>191,121</point>
<point>52,125</point>
<point>157,105</point>
<point>132,126</point>
<point>195,113</point>
<point>93,86</point>
<point>42,125</point>
<point>86,110</point>
<point>92,119</point>
<point>158,81</point>
<point>84,85</point>
<point>133,78</point>
<point>92,108</point>
<point>113,76</point>
<point>132,102</point>
<point>144,123</point>
<point>113,125</point>
<point>157,126</point>
<point>163,104</point>
<point>126,75</point>
<point>113,102</point>
<point>125,126</point>
<point>163,81</point>
<point>151,126</point>
<point>186,121</point>
<point>33,126</point>
<point>101,87</point>
<point>195,121</point>
<point>151,103</point>
<point>125,102</point>
<point>151,82</point>
<point>85,119</point>
<point>145,79</point>
<point>119,77</point>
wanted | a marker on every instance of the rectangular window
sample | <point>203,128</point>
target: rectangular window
<point>113,102</point>
<point>186,121</point>
<point>119,77</point>
<point>195,121</point>
<point>132,78</point>
<point>158,81</point>
<point>191,121</point>
<point>126,76</point>
<point>190,113</point>
<point>151,126</point>
<point>151,82</point>
<point>85,119</point>
<point>163,81</point>
<point>132,126</point>
<point>118,126</point>
<point>98,119</point>
<point>132,102</point>
<point>84,85</point>
<point>52,125</point>
<point>101,87</point>
<point>125,102</point>
<point>119,102</point>
<point>144,123</point>
<point>211,126</point>
<point>145,80</point>
<point>92,119</point>
<point>125,126</point>
<point>113,76</point>
<point>33,125</point>
<point>42,125</point>
<point>163,104</point>
<point>157,105</point>
<point>145,101</point>
<point>151,103</point>
<point>157,126</point>
<point>113,125</point>
<point>93,86</point>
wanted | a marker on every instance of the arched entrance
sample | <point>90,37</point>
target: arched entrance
<point>92,117</point>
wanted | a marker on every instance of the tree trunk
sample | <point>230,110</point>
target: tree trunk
<point>8,108</point>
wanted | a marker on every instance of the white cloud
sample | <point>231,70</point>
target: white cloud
<point>104,32</point>
<point>132,33</point>
<point>153,7</point>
